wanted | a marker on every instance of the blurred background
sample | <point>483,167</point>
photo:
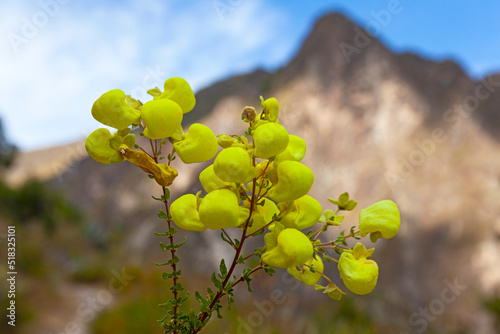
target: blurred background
<point>396,100</point>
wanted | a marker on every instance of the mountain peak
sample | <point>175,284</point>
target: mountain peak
<point>334,44</point>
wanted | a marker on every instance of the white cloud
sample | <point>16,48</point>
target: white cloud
<point>86,49</point>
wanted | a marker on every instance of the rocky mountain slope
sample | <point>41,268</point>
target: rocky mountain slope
<point>380,126</point>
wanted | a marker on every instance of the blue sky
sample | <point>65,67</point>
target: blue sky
<point>58,56</point>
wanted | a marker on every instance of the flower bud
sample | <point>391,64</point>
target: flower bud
<point>233,164</point>
<point>178,90</point>
<point>294,181</point>
<point>305,275</point>
<point>381,220</point>
<point>302,213</point>
<point>288,248</point>
<point>199,145</point>
<point>161,117</point>
<point>357,272</point>
<point>220,209</point>
<point>113,110</point>
<point>248,114</point>
<point>271,109</point>
<point>97,146</point>
<point>270,139</point>
<point>184,211</point>
<point>210,181</point>
<point>295,150</point>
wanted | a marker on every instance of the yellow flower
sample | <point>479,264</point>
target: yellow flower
<point>178,90</point>
<point>97,146</point>
<point>220,209</point>
<point>357,272</point>
<point>302,213</point>
<point>210,182</point>
<point>199,145</point>
<point>262,215</point>
<point>295,150</point>
<point>270,139</point>
<point>271,109</point>
<point>113,110</point>
<point>286,248</point>
<point>305,275</point>
<point>381,220</point>
<point>233,164</point>
<point>161,117</point>
<point>184,211</point>
<point>294,181</point>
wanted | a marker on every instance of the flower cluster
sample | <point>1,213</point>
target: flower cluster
<point>256,184</point>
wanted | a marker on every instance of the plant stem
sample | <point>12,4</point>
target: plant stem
<point>174,265</point>
<point>204,315</point>
<point>175,278</point>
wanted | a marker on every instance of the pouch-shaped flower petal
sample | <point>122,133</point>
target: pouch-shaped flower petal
<point>270,139</point>
<point>184,211</point>
<point>359,274</point>
<point>178,90</point>
<point>113,110</point>
<point>305,275</point>
<point>97,146</point>
<point>381,220</point>
<point>292,249</point>
<point>294,181</point>
<point>161,117</point>
<point>295,150</point>
<point>271,109</point>
<point>233,164</point>
<point>210,182</point>
<point>302,213</point>
<point>199,145</point>
<point>262,215</point>
<point>220,209</point>
<point>163,174</point>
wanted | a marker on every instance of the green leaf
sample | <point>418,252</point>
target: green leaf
<point>222,269</point>
<point>351,205</point>
<point>162,214</point>
<point>333,201</point>
<point>261,203</point>
<point>199,298</point>
<point>261,232</point>
<point>248,280</point>
<point>166,275</point>
<point>167,194</point>
<point>215,281</point>
<point>240,260</point>
<point>343,200</point>
<point>225,239</point>
<point>269,270</point>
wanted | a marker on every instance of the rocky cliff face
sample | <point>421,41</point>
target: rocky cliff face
<point>380,126</point>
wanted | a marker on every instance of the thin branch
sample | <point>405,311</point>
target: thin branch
<point>229,238</point>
